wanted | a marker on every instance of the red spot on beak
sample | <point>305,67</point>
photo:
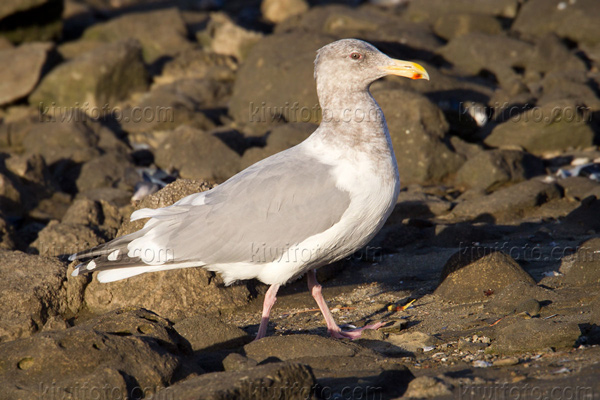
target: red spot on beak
<point>417,76</point>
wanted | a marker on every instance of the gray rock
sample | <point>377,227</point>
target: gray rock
<point>572,20</point>
<point>31,20</point>
<point>280,138</point>
<point>276,81</point>
<point>583,268</point>
<point>296,347</point>
<point>473,273</point>
<point>582,220</point>
<point>24,68</point>
<point>551,54</point>
<point>508,203</point>
<point>32,291</point>
<point>130,351</point>
<point>426,387</point>
<point>449,26</point>
<point>523,335</point>
<point>412,341</point>
<point>520,297</point>
<point>108,170</point>
<point>273,380</point>
<point>58,239</point>
<point>94,81</point>
<point>431,9</point>
<point>197,64</point>
<point>206,332</point>
<point>237,362</point>
<point>197,155</point>
<point>223,36</point>
<point>161,33</point>
<point>579,187</point>
<point>418,130</point>
<point>490,169</point>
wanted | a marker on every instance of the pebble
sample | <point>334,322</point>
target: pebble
<point>506,362</point>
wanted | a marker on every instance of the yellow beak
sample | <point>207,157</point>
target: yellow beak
<point>405,68</point>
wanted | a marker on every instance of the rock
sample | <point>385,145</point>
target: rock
<point>61,240</point>
<point>24,68</point>
<point>572,20</point>
<point>583,268</point>
<point>490,169</point>
<point>237,362</point>
<point>473,272</point>
<point>276,11</point>
<point>412,341</point>
<point>595,307</point>
<point>449,26</point>
<point>280,138</point>
<point>523,335</point>
<point>519,297</point>
<point>98,214</point>
<point>551,54</point>
<point>32,292</point>
<point>542,130</point>
<point>295,347</point>
<point>431,9</point>
<point>426,387</point>
<point>273,380</point>
<point>579,187</point>
<point>197,155</point>
<point>418,130</point>
<point>207,333</point>
<point>198,64</point>
<point>7,235</point>
<point>161,33</point>
<point>32,20</point>
<point>507,203</point>
<point>494,53</point>
<point>108,170</point>
<point>94,81</point>
<point>133,352</point>
<point>163,198</point>
<point>417,205</point>
<point>223,36</point>
<point>276,81</point>
<point>582,220</point>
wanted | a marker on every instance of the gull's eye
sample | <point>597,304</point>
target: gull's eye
<point>356,56</point>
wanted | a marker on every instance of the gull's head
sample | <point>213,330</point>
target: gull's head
<point>357,64</point>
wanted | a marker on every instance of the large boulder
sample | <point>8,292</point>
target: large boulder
<point>94,81</point>
<point>23,68</point>
<point>33,291</point>
<point>429,10</point>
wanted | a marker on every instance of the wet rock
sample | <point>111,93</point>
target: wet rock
<point>163,198</point>
<point>276,11</point>
<point>33,20</point>
<point>280,138</point>
<point>509,202</point>
<point>32,292</point>
<point>523,335</point>
<point>205,332</point>
<point>295,347</point>
<point>223,36</point>
<point>431,9</point>
<point>572,20</point>
<point>94,81</point>
<point>418,130</point>
<point>426,387</point>
<point>495,53</point>
<point>490,169</point>
<point>197,155</point>
<point>161,33</point>
<point>24,68</point>
<point>542,130</point>
<point>276,81</point>
<point>130,351</point>
<point>473,272</point>
<point>449,26</point>
<point>583,267</point>
<point>273,380</point>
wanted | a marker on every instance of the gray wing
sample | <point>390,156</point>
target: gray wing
<point>272,205</point>
<point>275,204</point>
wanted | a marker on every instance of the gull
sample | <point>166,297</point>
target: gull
<point>291,213</point>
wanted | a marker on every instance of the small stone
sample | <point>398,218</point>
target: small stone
<point>276,11</point>
<point>237,362</point>
<point>506,362</point>
<point>530,306</point>
<point>425,387</point>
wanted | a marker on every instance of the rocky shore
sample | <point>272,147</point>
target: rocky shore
<point>487,274</point>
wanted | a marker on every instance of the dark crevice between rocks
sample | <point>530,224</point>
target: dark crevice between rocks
<point>34,17</point>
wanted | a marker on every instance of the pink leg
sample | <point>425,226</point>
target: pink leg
<point>270,298</point>
<point>333,329</point>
